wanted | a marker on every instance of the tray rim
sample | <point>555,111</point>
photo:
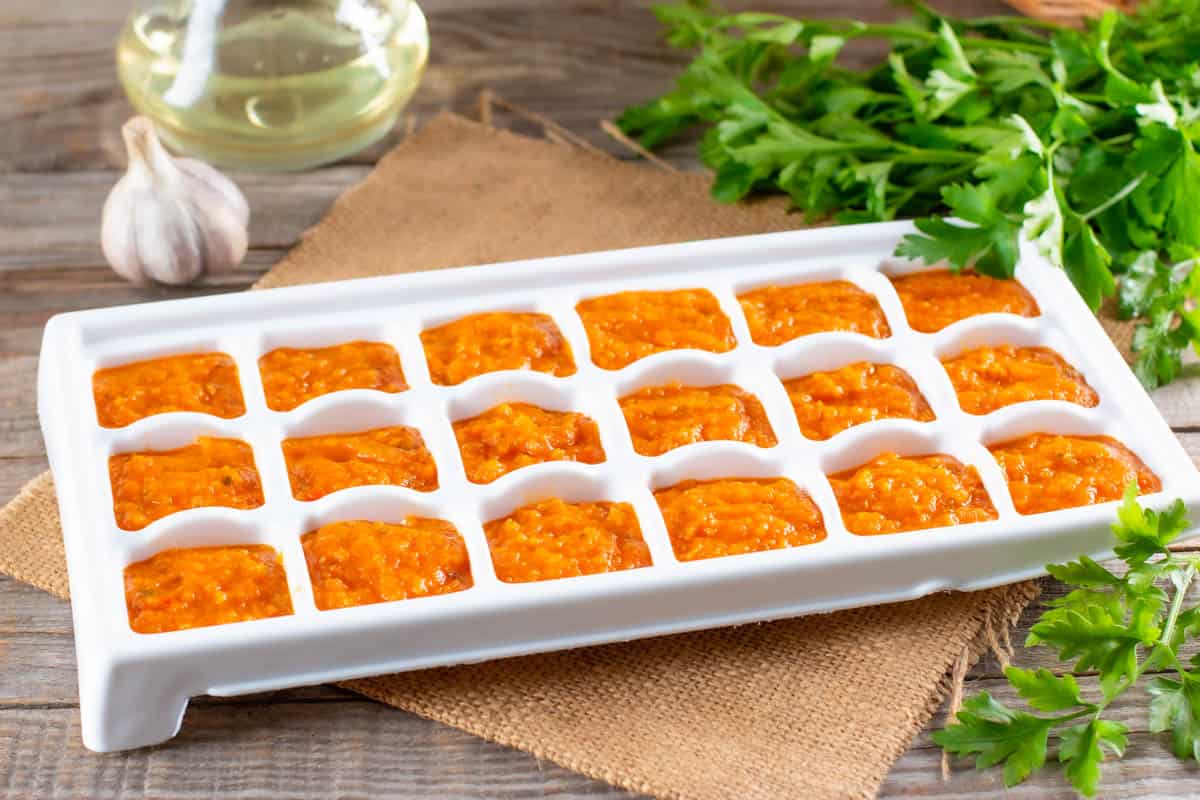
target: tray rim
<point>61,346</point>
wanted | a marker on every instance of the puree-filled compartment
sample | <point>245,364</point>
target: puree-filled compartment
<point>661,418</point>
<point>778,314</point>
<point>554,539</point>
<point>359,562</point>
<point>393,456</point>
<point>989,378</point>
<point>199,586</point>
<point>827,403</point>
<point>514,435</point>
<point>494,341</point>
<point>730,516</point>
<point>624,327</point>
<point>292,376</point>
<point>203,382</point>
<point>1048,472</point>
<point>149,485</point>
<point>893,493</point>
<point>936,298</point>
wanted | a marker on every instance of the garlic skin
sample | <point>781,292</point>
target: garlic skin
<point>171,220</point>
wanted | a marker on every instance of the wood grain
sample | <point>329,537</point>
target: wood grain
<point>576,61</point>
<point>318,740</point>
<point>579,61</point>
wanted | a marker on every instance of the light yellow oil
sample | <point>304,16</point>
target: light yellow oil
<point>272,85</point>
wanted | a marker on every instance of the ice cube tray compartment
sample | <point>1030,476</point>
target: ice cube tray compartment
<point>134,687</point>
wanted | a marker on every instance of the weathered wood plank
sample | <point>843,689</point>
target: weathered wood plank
<point>282,750</point>
<point>20,436</point>
<point>581,62</point>
<point>29,299</point>
<point>1179,402</point>
<point>296,750</point>
<point>37,691</point>
<point>15,472</point>
<point>60,108</point>
<point>263,744</point>
<point>54,219</point>
<point>1148,770</point>
<point>63,108</point>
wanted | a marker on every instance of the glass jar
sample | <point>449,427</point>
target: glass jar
<point>272,84</point>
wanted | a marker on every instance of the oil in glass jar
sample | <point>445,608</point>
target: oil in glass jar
<point>272,84</point>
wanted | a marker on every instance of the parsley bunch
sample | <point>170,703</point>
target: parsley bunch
<point>1082,141</point>
<point>1120,627</point>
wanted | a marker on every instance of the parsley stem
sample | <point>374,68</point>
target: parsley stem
<point>1116,198</point>
<point>1018,22</point>
<point>1092,72</point>
<point>929,156</point>
<point>1164,640</point>
<point>1087,710</point>
<point>941,179</point>
<point>1002,44</point>
<point>1177,605</point>
<point>856,30</point>
<point>1157,44</point>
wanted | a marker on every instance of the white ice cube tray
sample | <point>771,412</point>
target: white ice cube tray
<point>134,687</point>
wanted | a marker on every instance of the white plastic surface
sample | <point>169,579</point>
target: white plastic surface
<point>134,687</point>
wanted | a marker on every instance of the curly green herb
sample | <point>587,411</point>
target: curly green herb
<point>986,130</point>
<point>1119,626</point>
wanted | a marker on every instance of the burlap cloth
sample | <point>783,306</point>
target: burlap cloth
<point>818,707</point>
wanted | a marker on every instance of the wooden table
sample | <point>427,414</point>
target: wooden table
<point>576,61</point>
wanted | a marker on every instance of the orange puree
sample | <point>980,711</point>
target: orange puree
<point>203,382</point>
<point>494,341</point>
<point>624,327</point>
<point>199,586</point>
<point>827,403</point>
<point>778,314</point>
<point>555,539</point>
<point>291,377</point>
<point>989,378</point>
<point>1046,472</point>
<point>661,418</point>
<point>709,519</point>
<point>358,562</point>
<point>397,456</point>
<point>211,472</point>
<point>514,435</point>
<point>891,494</point>
<point>936,298</point>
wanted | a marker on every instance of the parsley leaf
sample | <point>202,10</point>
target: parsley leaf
<point>1144,533</point>
<point>1084,572</point>
<point>1123,626</point>
<point>1044,690</point>
<point>995,734</point>
<point>1176,707</point>
<point>1095,640</point>
<point>989,247</point>
<point>1087,263</point>
<point>1081,748</point>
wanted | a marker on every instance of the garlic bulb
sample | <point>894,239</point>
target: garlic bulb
<point>171,220</point>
